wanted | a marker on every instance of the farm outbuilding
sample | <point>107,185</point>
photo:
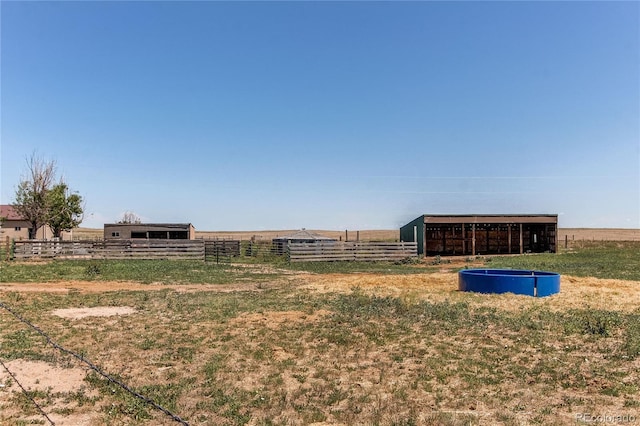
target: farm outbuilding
<point>482,234</point>
<point>15,227</point>
<point>149,231</point>
<point>279,244</point>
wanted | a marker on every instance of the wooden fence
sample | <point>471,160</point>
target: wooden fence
<point>214,248</point>
<point>110,249</point>
<point>350,251</point>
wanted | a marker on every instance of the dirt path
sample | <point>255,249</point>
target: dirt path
<point>106,286</point>
<point>575,292</point>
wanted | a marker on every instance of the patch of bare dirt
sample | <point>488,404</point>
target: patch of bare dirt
<point>40,375</point>
<point>58,382</point>
<point>98,311</point>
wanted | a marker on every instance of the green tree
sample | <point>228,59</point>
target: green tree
<point>31,195</point>
<point>40,201</point>
<point>65,209</point>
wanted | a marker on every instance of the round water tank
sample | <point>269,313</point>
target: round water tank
<point>531,283</point>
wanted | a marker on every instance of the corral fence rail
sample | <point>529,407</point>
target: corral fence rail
<point>260,249</point>
<point>110,249</point>
<point>221,248</point>
<point>350,251</point>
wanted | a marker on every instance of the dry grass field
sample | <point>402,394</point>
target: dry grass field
<point>598,234</point>
<point>270,344</point>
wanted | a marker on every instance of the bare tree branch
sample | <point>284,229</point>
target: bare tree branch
<point>130,217</point>
<point>31,194</point>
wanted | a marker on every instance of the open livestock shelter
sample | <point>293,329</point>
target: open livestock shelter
<point>149,231</point>
<point>482,234</point>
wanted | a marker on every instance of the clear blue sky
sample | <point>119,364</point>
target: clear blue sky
<point>327,115</point>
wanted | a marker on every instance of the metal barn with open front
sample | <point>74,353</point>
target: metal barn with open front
<point>482,234</point>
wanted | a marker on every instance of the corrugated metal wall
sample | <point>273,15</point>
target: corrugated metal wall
<point>412,229</point>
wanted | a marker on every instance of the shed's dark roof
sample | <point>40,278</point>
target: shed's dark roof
<point>150,225</point>
<point>491,215</point>
<point>490,218</point>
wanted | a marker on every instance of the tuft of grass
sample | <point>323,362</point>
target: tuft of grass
<point>92,270</point>
<point>592,322</point>
<point>343,267</point>
<point>631,345</point>
<point>22,344</point>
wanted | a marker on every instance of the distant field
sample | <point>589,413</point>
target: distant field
<point>599,234</point>
<point>368,235</point>
<point>573,234</point>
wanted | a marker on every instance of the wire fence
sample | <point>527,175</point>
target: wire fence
<point>91,365</point>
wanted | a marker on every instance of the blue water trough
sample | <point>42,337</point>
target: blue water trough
<point>530,283</point>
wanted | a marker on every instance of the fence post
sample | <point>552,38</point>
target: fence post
<point>566,241</point>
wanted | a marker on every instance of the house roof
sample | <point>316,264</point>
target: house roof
<point>303,235</point>
<point>8,212</point>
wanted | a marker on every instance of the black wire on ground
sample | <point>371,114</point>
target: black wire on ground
<point>94,367</point>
